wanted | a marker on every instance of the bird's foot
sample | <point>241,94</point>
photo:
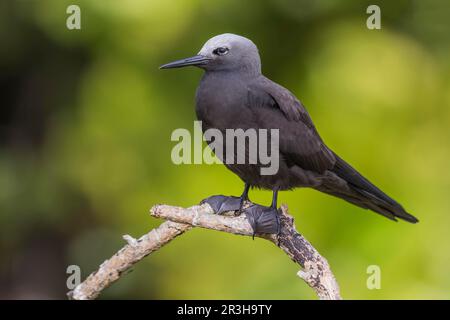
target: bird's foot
<point>221,204</point>
<point>263,219</point>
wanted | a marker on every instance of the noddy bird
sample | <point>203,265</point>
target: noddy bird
<point>233,94</point>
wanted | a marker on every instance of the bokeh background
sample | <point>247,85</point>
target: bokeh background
<point>86,119</point>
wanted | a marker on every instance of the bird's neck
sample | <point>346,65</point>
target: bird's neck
<point>225,74</point>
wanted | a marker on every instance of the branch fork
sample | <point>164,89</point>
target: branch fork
<point>315,270</point>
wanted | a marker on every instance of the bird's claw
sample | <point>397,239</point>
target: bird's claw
<point>263,219</point>
<point>221,204</point>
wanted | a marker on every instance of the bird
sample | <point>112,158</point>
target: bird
<point>234,94</point>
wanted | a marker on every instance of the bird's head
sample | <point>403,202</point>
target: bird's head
<point>225,52</point>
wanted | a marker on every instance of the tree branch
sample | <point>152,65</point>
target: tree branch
<point>315,271</point>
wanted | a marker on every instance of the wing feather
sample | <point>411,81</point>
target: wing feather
<point>300,143</point>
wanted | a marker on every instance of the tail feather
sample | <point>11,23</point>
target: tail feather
<point>365,194</point>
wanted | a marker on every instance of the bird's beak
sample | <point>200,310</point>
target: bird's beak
<point>192,61</point>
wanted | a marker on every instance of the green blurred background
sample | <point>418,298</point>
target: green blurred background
<point>86,119</point>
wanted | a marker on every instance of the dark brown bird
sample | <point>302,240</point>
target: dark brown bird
<point>233,94</point>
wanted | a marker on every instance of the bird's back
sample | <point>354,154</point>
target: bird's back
<point>231,102</point>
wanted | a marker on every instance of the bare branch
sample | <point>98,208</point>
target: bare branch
<point>315,269</point>
<point>136,249</point>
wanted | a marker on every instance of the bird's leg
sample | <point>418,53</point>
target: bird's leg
<point>243,198</point>
<point>274,199</point>
<point>264,219</point>
<point>221,204</point>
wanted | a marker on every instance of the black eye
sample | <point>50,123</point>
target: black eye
<point>221,51</point>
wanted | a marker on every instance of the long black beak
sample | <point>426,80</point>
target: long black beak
<point>192,61</point>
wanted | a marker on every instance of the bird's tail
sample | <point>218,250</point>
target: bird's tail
<point>363,193</point>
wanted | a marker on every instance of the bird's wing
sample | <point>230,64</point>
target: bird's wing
<point>300,143</point>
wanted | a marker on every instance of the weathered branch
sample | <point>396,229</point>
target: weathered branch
<point>315,269</point>
<point>136,249</point>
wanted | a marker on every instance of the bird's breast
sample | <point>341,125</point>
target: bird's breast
<point>222,104</point>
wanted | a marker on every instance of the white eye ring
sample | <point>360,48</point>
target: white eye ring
<point>221,51</point>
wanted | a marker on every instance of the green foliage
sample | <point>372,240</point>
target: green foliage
<point>380,98</point>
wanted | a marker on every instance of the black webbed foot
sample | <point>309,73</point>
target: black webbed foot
<point>221,204</point>
<point>263,219</point>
